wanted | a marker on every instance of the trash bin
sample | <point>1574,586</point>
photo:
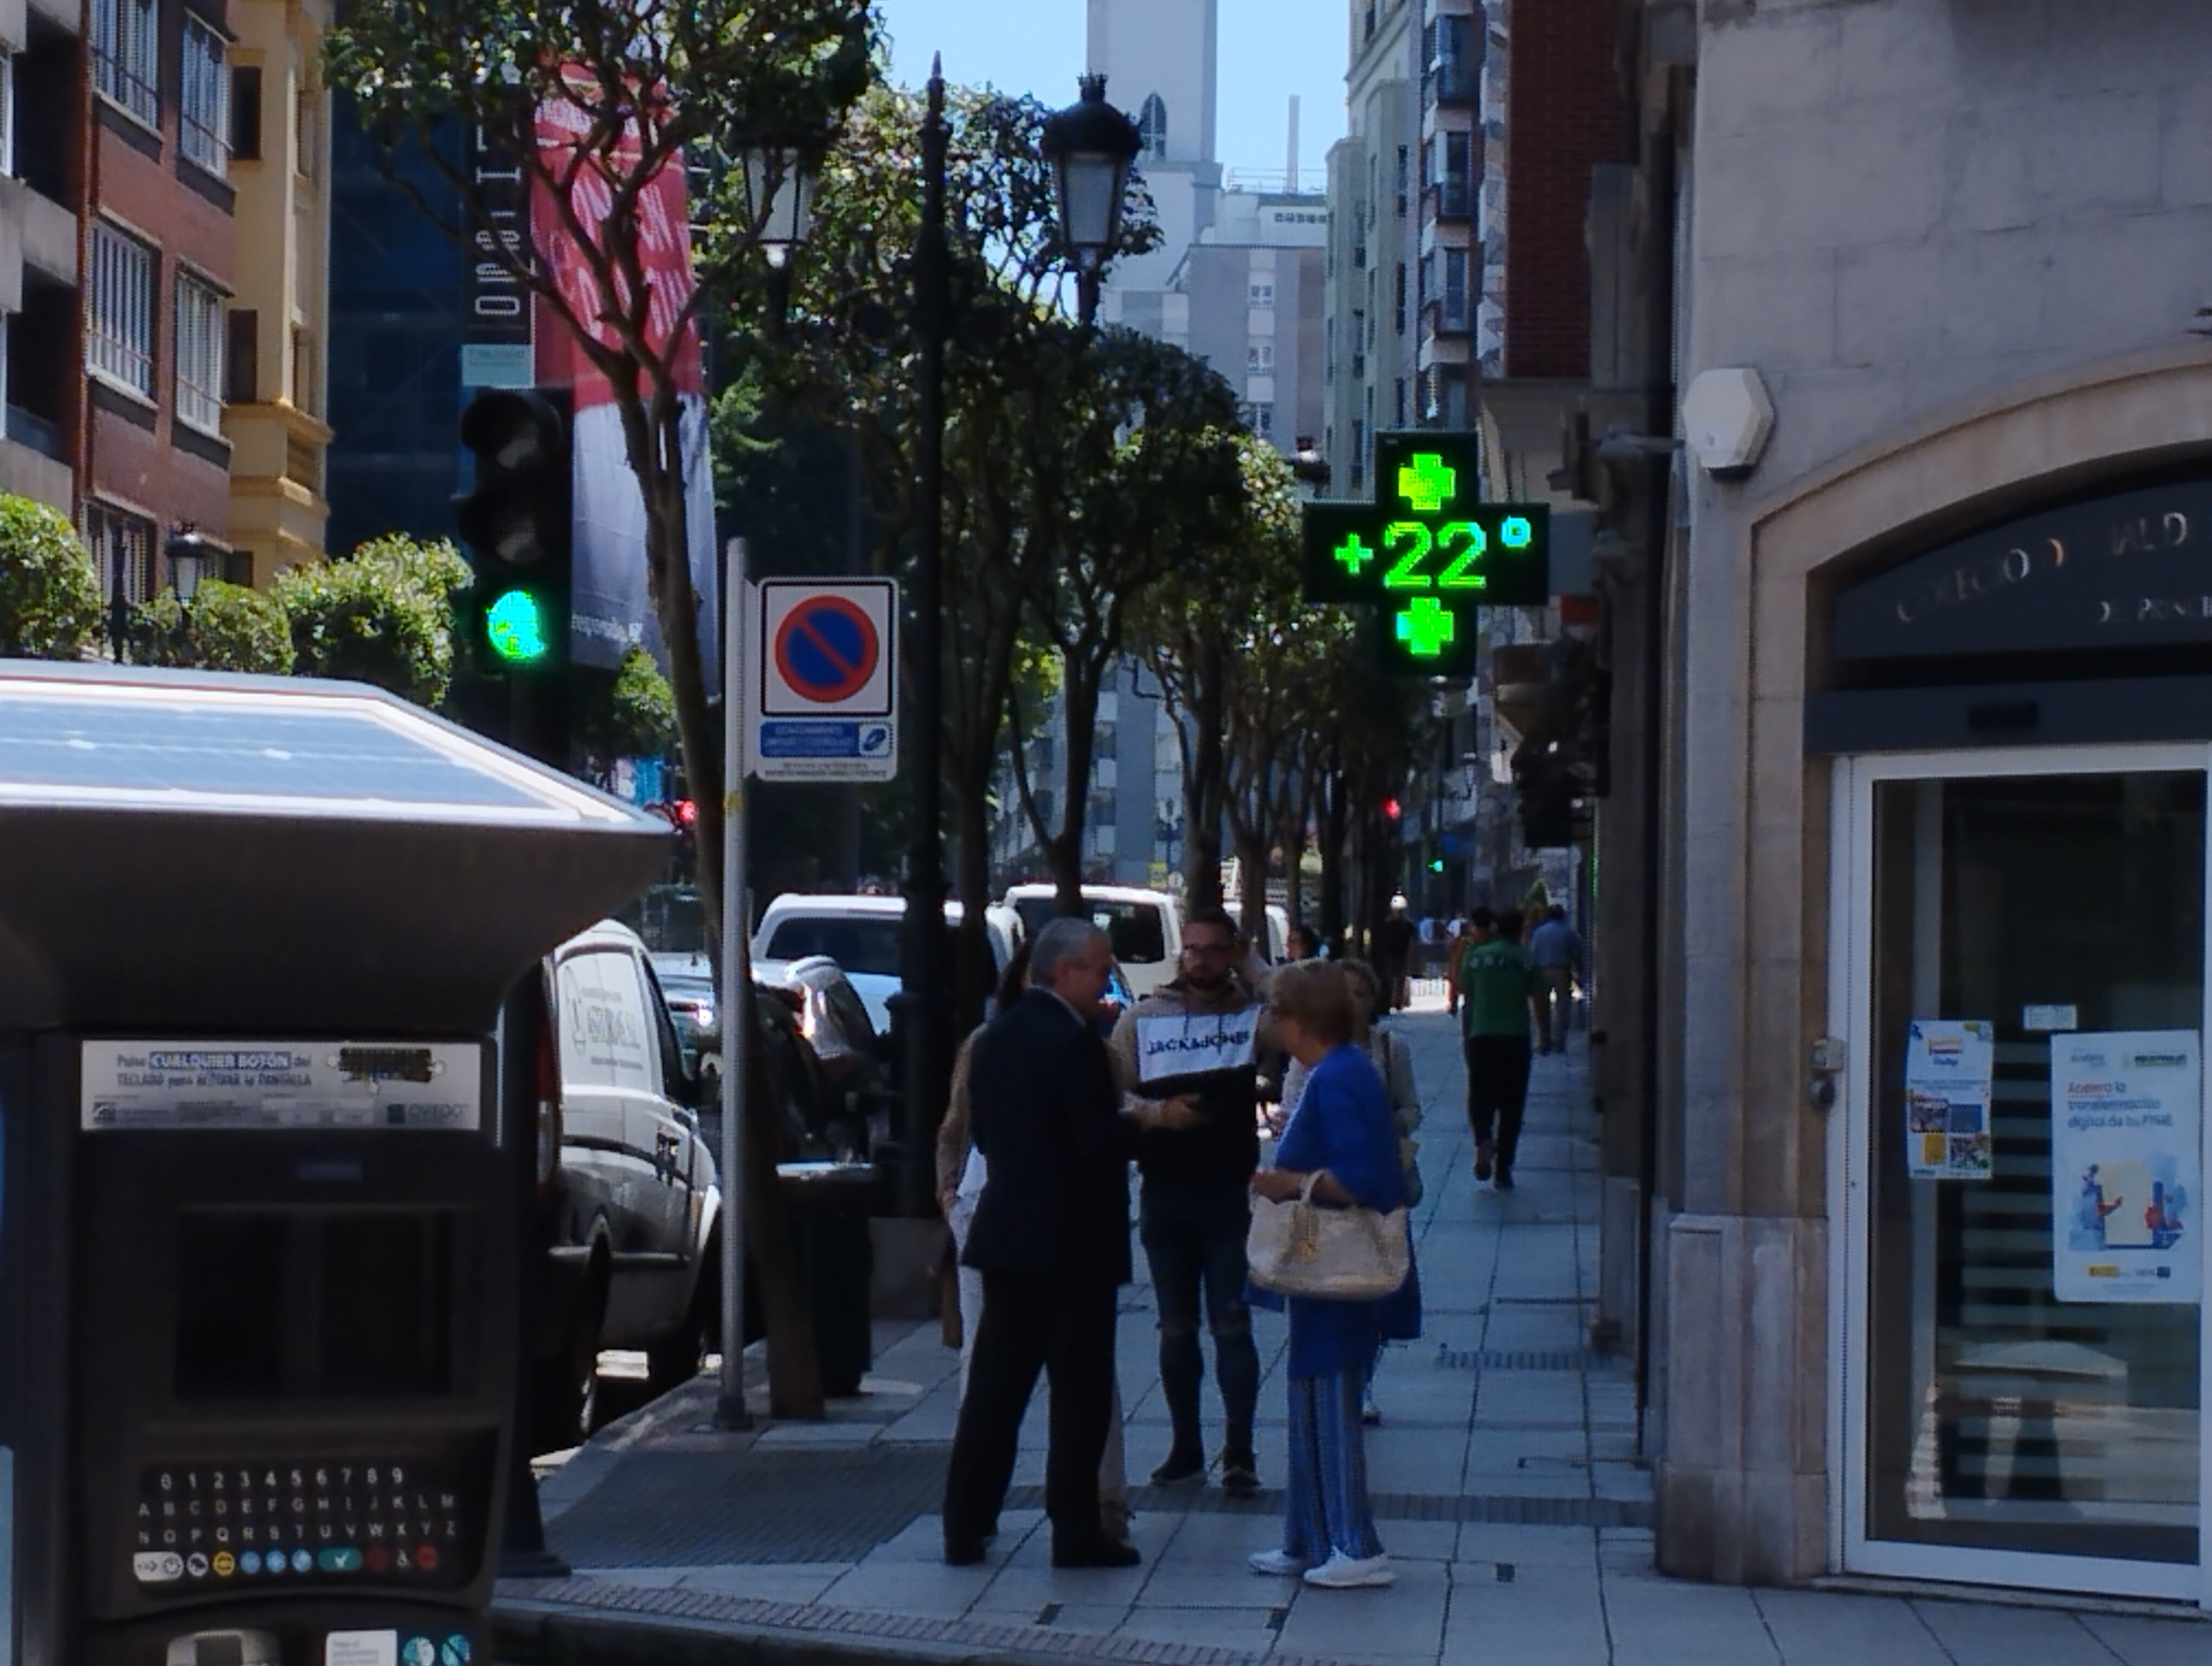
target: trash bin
<point>827,1206</point>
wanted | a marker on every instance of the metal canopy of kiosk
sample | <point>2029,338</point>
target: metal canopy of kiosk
<point>260,1212</point>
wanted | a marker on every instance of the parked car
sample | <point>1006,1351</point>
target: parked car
<point>634,1202</point>
<point>1144,926</point>
<point>862,934</point>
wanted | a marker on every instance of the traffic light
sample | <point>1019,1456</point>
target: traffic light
<point>1436,865</point>
<point>515,521</point>
<point>1392,809</point>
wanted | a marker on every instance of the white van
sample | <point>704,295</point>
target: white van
<point>862,934</point>
<point>1145,926</point>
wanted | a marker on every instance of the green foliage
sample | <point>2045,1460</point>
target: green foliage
<point>50,601</point>
<point>228,627</point>
<point>382,616</point>
<point>636,717</point>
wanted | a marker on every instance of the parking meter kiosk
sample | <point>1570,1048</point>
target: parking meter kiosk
<point>260,1212</point>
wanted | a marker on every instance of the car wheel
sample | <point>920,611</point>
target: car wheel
<point>675,1360</point>
<point>567,1397</point>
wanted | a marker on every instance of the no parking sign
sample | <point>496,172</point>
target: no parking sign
<point>826,700</point>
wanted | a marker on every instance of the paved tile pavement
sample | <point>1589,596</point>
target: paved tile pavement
<point>1503,1472</point>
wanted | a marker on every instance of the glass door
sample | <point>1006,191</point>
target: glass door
<point>2021,975</point>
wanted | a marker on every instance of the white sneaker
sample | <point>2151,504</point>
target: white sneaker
<point>1343,1573</point>
<point>1277,1564</point>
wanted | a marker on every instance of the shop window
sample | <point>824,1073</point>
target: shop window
<point>118,340</point>
<point>126,55</point>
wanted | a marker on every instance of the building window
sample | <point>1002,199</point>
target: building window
<point>1152,129</point>
<point>118,342</point>
<point>203,105</point>
<point>1405,177</point>
<point>1259,355</point>
<point>126,55</point>
<point>7,114</point>
<point>1398,405</point>
<point>307,132</point>
<point>200,347</point>
<point>245,112</point>
<point>241,370</point>
<point>1454,155</point>
<point>1398,312</point>
<point>1259,294</point>
<point>121,543</point>
<point>303,372</point>
<point>1455,298</point>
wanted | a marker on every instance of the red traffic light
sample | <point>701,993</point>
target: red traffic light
<point>687,812</point>
<point>1392,809</point>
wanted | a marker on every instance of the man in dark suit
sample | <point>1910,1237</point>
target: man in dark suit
<point>1051,1238</point>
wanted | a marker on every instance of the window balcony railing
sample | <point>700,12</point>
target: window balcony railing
<point>116,81</point>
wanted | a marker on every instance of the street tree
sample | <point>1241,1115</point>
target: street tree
<point>1145,467</point>
<point>847,353</point>
<point>49,604</point>
<point>1188,630</point>
<point>597,105</point>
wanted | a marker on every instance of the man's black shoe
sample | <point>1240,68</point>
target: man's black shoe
<point>1504,1178</point>
<point>1095,1553</point>
<point>1239,1475</point>
<point>1180,1467</point>
<point>962,1552</point>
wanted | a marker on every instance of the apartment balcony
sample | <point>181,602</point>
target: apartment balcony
<point>1453,200</point>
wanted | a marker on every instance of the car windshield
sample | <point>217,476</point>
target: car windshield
<point>864,944</point>
<point>1138,933</point>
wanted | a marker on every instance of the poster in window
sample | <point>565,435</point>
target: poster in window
<point>2126,1165</point>
<point>1949,1065</point>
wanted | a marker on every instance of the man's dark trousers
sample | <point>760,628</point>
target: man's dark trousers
<point>1194,1237</point>
<point>1063,1325</point>
<point>1498,1091</point>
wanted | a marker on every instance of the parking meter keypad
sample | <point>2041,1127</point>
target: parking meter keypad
<point>203,1526</point>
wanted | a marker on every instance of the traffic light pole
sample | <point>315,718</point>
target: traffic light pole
<point>736,1010</point>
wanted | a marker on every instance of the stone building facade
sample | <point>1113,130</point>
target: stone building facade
<point>1912,699</point>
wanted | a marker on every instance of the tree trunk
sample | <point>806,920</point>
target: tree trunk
<point>1335,831</point>
<point>975,973</point>
<point>1078,707</point>
<point>794,1366</point>
<point>1252,884</point>
<point>1206,791</point>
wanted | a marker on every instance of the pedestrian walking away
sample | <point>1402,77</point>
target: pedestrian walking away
<point>961,1174</point>
<point>1498,988</point>
<point>1342,1143</point>
<point>1201,1037</point>
<point>1558,952</point>
<point>1051,1238</point>
<point>1393,954</point>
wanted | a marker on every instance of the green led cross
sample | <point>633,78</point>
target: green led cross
<point>1426,627</point>
<point>1427,483</point>
<point>1355,553</point>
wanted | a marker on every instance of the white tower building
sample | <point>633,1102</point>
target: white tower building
<point>1161,59</point>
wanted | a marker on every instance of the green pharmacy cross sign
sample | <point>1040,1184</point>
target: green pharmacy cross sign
<point>1427,552</point>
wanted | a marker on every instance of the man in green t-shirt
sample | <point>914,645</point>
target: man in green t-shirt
<point>1495,985</point>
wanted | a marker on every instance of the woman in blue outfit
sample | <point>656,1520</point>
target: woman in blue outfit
<point>1342,1131</point>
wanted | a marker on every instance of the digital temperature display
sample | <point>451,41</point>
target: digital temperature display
<point>1428,552</point>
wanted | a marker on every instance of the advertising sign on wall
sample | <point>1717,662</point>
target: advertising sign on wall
<point>610,608</point>
<point>2126,1122</point>
<point>1949,1066</point>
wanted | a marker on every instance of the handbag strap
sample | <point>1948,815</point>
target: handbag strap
<point>1306,1188</point>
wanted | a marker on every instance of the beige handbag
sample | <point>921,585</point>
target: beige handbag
<point>1301,1249</point>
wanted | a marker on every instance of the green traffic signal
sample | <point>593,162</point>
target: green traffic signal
<point>514,625</point>
<point>1436,865</point>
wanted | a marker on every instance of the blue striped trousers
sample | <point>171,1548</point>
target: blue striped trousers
<point>1325,1504</point>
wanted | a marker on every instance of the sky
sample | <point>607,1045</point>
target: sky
<point>1270,49</point>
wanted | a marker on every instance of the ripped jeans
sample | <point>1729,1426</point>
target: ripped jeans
<point>1194,1239</point>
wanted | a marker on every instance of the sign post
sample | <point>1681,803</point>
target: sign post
<point>828,657</point>
<point>738,1040</point>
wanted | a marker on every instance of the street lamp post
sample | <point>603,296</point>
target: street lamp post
<point>190,557</point>
<point>1090,146</point>
<point>921,1010</point>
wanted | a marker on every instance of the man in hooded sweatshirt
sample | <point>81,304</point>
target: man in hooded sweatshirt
<point>1202,1038</point>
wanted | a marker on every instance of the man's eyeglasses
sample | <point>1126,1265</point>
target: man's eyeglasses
<point>1209,948</point>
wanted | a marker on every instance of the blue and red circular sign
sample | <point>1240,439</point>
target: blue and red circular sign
<point>827,649</point>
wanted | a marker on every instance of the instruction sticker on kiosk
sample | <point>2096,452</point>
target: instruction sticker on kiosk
<point>158,1085</point>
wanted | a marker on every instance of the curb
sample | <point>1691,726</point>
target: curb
<point>543,1634</point>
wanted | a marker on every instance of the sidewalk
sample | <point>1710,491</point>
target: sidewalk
<point>1504,1481</point>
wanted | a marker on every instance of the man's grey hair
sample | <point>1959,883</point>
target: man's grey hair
<point>1060,940</point>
